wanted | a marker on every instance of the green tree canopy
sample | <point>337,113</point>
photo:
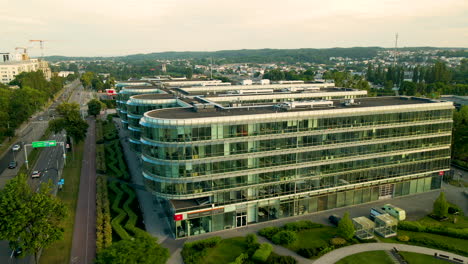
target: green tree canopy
<point>94,107</point>
<point>28,219</point>
<point>440,209</point>
<point>345,227</point>
<point>70,121</point>
<point>143,249</point>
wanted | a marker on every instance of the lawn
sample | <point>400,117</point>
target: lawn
<point>60,251</point>
<point>227,251</point>
<point>313,238</point>
<point>458,243</point>
<point>377,257</point>
<point>462,221</point>
<point>416,258</point>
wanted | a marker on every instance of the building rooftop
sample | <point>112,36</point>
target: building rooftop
<point>139,87</point>
<point>189,112</point>
<point>267,92</point>
<point>153,96</point>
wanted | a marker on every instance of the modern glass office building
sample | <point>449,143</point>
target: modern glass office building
<point>137,105</point>
<point>125,93</point>
<point>222,168</point>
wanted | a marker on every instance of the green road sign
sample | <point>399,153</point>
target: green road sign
<point>42,144</point>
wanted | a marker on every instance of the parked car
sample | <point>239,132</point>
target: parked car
<point>334,219</point>
<point>16,147</point>
<point>36,174</point>
<point>12,164</point>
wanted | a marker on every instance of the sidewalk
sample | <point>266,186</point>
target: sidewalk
<point>340,253</point>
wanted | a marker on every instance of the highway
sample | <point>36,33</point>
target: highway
<point>50,161</point>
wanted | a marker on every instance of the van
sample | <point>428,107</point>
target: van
<point>394,211</point>
<point>375,212</point>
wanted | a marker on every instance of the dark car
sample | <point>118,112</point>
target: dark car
<point>334,219</point>
<point>12,164</point>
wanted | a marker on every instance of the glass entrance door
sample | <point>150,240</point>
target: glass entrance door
<point>241,219</point>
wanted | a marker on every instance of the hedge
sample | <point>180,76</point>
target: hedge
<point>103,219</point>
<point>132,217</point>
<point>301,225</point>
<point>284,237</point>
<point>262,253</point>
<point>121,213</point>
<point>193,252</point>
<point>439,230</point>
<point>278,259</point>
<point>240,259</point>
<point>269,232</point>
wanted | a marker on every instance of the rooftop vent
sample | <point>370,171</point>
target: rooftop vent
<point>306,104</point>
<point>350,102</point>
<point>204,108</point>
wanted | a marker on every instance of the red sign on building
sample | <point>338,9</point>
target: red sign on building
<point>178,217</point>
<point>441,173</point>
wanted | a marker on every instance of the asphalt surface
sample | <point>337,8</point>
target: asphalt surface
<point>84,232</point>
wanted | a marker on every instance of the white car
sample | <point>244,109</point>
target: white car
<point>36,174</point>
<point>16,147</point>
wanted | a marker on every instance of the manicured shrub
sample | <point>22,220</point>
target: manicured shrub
<point>410,226</point>
<point>337,241</point>
<point>193,252</point>
<point>301,225</point>
<point>269,232</point>
<point>121,213</point>
<point>284,237</point>
<point>277,259</point>
<point>240,259</point>
<point>326,250</point>
<point>251,239</point>
<point>440,209</point>
<point>308,252</point>
<point>403,238</point>
<point>262,253</point>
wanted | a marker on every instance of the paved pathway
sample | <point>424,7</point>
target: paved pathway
<point>340,253</point>
<point>84,232</point>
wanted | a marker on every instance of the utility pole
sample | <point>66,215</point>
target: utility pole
<point>211,69</point>
<point>395,50</point>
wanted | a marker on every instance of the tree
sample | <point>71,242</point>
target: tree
<point>346,227</point>
<point>94,107</point>
<point>143,249</point>
<point>70,121</point>
<point>440,209</point>
<point>28,219</point>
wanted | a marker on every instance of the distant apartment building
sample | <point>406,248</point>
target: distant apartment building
<point>9,69</point>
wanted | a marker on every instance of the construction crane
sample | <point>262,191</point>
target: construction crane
<point>41,41</point>
<point>24,56</point>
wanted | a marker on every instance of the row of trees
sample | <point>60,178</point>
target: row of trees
<point>460,136</point>
<point>17,105</point>
<point>92,80</point>
<point>277,75</point>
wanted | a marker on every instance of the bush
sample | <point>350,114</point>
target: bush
<point>326,250</point>
<point>309,252</point>
<point>277,259</point>
<point>403,238</point>
<point>346,227</point>
<point>251,239</point>
<point>269,232</point>
<point>240,259</point>
<point>193,252</point>
<point>301,225</point>
<point>411,226</point>
<point>454,209</point>
<point>262,253</point>
<point>284,237</point>
<point>337,241</point>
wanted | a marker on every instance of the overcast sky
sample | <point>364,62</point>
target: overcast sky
<point>120,27</point>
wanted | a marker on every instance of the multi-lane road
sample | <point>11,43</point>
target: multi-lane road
<point>51,159</point>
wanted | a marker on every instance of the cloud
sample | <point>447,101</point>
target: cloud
<point>111,27</point>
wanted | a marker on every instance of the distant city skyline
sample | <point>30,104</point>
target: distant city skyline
<point>122,27</point>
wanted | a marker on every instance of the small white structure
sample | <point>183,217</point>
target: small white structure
<point>364,227</point>
<point>386,225</point>
<point>264,82</point>
<point>247,82</point>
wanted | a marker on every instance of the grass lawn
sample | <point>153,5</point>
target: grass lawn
<point>312,238</point>
<point>375,257</point>
<point>416,258</point>
<point>226,251</point>
<point>60,251</point>
<point>462,221</point>
<point>458,243</point>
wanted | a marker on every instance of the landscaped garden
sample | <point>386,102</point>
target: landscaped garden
<point>416,258</point>
<point>237,250</point>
